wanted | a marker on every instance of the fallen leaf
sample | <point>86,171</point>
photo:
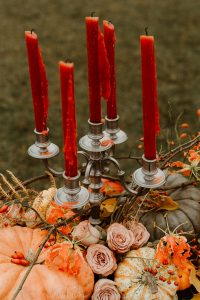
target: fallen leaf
<point>107,207</point>
<point>167,203</point>
<point>111,188</point>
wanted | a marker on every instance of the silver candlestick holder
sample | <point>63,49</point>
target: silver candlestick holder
<point>113,131</point>
<point>149,176</point>
<point>94,144</point>
<point>72,193</point>
<point>43,148</point>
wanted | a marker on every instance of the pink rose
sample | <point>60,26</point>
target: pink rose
<point>101,260</point>
<point>105,289</point>
<point>119,238</point>
<point>86,233</point>
<point>140,233</point>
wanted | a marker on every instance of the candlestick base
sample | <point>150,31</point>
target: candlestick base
<point>43,148</point>
<point>92,142</point>
<point>86,143</point>
<point>72,193</point>
<point>113,131</point>
<point>149,176</point>
<point>77,202</point>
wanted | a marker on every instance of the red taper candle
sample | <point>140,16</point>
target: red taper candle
<point>149,96</point>
<point>39,83</point>
<point>92,32</point>
<point>109,37</point>
<point>68,118</point>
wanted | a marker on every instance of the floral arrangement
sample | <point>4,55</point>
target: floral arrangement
<point>124,258</point>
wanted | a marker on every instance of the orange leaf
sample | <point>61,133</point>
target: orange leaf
<point>107,207</point>
<point>167,203</point>
<point>111,188</point>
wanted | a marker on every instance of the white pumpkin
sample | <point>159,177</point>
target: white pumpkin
<point>140,277</point>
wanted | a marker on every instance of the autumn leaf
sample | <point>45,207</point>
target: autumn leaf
<point>107,207</point>
<point>111,188</point>
<point>167,203</point>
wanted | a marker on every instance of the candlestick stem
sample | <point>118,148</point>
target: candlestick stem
<point>95,150</point>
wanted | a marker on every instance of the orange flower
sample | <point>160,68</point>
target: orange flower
<point>178,164</point>
<point>198,112</point>
<point>183,135</point>
<point>184,125</point>
<point>64,258</point>
<point>173,249</point>
<point>56,212</point>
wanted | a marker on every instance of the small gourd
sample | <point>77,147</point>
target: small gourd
<point>140,277</point>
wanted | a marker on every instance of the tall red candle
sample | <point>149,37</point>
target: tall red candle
<point>92,32</point>
<point>109,37</point>
<point>39,83</point>
<point>68,118</point>
<point>149,96</point>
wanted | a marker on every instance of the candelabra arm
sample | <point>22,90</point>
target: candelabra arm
<point>84,154</point>
<point>113,161</point>
<point>86,181</point>
<point>121,175</point>
<point>48,168</point>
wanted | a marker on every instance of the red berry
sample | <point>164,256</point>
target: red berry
<point>194,247</point>
<point>175,283</point>
<point>168,282</point>
<point>165,262</point>
<point>157,266</point>
<point>4,208</point>
<point>155,272</point>
<point>180,276</point>
<point>145,269</point>
<point>170,272</point>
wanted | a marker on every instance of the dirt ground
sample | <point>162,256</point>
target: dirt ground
<point>61,30</point>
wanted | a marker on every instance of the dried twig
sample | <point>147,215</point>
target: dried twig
<point>178,149</point>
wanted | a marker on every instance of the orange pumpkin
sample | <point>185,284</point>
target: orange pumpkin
<point>183,278</point>
<point>43,282</point>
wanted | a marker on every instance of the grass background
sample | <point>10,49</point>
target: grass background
<point>61,30</point>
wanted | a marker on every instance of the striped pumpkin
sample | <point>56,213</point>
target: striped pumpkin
<point>140,277</point>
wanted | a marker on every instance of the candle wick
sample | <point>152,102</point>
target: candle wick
<point>32,30</point>
<point>68,61</point>
<point>146,30</point>
<point>92,13</point>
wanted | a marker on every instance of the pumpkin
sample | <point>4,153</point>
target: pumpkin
<point>139,277</point>
<point>43,282</point>
<point>187,213</point>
